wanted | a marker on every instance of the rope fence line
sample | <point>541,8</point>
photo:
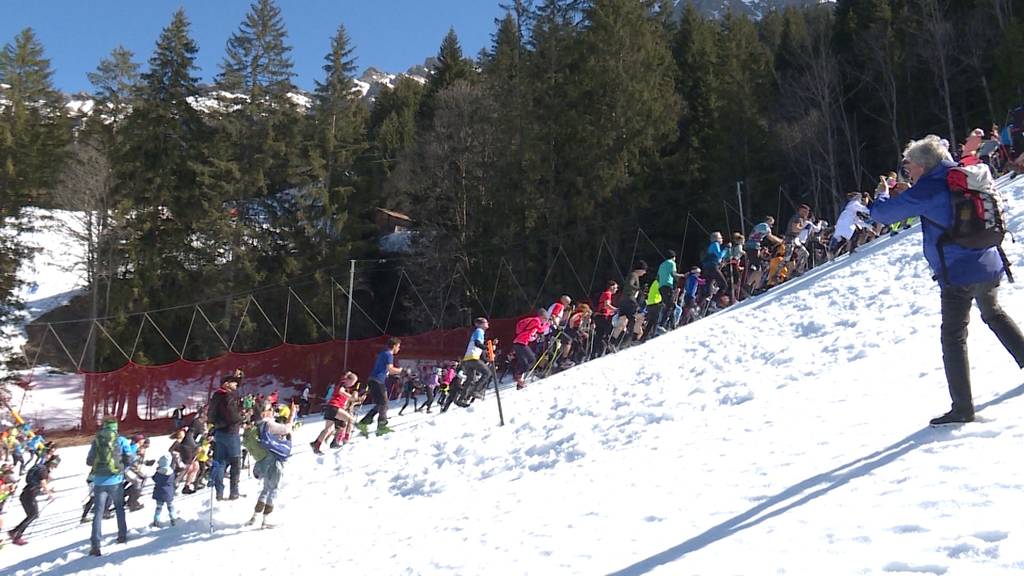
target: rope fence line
<point>251,301</point>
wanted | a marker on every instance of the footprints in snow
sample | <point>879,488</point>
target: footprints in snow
<point>983,545</point>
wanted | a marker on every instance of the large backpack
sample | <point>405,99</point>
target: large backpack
<point>251,441</point>
<point>979,212</point>
<point>107,459</point>
<point>280,448</point>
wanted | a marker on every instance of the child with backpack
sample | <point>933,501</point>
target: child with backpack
<point>163,490</point>
<point>270,452</point>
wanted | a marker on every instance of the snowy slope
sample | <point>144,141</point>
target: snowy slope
<point>54,273</point>
<point>50,278</point>
<point>786,436</point>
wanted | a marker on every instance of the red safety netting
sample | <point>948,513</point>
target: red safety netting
<point>146,394</point>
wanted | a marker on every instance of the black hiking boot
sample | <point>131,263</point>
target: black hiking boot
<point>952,417</point>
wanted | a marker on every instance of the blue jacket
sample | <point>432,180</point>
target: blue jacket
<point>930,199</point>
<point>163,487</point>
<point>714,255</point>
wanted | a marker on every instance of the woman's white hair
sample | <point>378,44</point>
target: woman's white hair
<point>926,152</point>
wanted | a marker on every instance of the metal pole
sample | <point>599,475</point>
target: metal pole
<point>739,198</point>
<point>497,395</point>
<point>211,508</point>
<point>348,317</point>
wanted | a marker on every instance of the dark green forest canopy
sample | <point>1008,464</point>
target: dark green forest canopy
<point>590,133</point>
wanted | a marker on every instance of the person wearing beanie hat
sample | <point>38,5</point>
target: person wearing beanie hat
<point>163,490</point>
<point>108,457</point>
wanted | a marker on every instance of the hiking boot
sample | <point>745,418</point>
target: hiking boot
<point>95,552</point>
<point>173,521</point>
<point>362,427</point>
<point>382,430</point>
<point>235,496</point>
<point>335,445</point>
<point>252,521</point>
<point>316,447</point>
<point>520,385</point>
<point>122,539</point>
<point>952,417</point>
<point>154,524</point>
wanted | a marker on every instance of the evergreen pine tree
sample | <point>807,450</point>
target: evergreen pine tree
<point>33,127</point>
<point>33,136</point>
<point>688,167</point>
<point>258,152</point>
<point>115,81</point>
<point>170,227</point>
<point>451,67</point>
<point>339,124</point>
<point>257,62</point>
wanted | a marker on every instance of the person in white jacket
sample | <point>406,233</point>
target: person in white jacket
<point>850,220</point>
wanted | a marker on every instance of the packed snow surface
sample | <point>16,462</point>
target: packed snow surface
<point>787,435</point>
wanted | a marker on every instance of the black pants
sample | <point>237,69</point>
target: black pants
<point>379,397</point>
<point>475,371</point>
<point>653,320</point>
<point>714,273</point>
<point>28,502</point>
<point>453,390</point>
<point>956,312</point>
<point>133,491</point>
<point>409,393</point>
<point>668,301</point>
<point>602,329</point>
<point>525,359</point>
<point>430,398</point>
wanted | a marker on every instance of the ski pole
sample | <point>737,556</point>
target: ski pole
<point>211,508</point>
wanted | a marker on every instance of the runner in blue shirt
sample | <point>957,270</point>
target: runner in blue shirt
<point>382,368</point>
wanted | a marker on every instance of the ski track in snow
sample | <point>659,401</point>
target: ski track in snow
<point>785,436</point>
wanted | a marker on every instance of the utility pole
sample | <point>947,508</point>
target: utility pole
<point>348,317</point>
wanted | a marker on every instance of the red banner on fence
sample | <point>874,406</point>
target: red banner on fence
<point>143,394</point>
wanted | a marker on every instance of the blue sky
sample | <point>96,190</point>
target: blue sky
<point>391,35</point>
